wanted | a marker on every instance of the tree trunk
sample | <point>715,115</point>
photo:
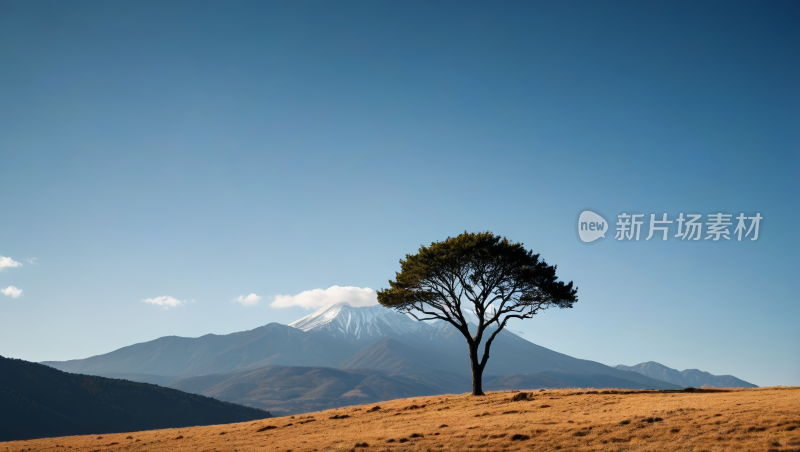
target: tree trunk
<point>477,372</point>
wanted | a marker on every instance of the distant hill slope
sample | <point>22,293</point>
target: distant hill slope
<point>399,358</point>
<point>294,390</point>
<point>38,401</point>
<point>689,377</point>
<point>291,390</point>
<point>555,379</point>
<point>384,370</point>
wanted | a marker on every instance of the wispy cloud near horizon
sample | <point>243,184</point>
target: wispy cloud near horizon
<point>12,291</point>
<point>250,300</point>
<point>317,298</point>
<point>165,302</point>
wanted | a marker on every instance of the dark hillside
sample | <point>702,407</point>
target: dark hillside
<point>38,401</point>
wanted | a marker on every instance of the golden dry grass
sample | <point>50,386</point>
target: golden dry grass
<point>740,420</point>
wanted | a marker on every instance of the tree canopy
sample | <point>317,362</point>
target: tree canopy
<point>496,279</point>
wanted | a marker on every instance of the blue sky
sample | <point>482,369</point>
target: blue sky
<point>210,150</point>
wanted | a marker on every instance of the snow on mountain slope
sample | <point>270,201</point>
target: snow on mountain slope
<point>359,324</point>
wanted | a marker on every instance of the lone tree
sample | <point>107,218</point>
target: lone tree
<point>497,279</point>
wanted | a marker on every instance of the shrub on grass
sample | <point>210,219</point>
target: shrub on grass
<point>519,397</point>
<point>651,419</point>
<point>414,407</point>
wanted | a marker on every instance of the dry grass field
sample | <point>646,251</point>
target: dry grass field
<point>763,419</point>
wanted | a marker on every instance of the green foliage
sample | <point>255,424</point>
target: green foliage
<point>482,269</point>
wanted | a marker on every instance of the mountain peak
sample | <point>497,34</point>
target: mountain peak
<point>357,323</point>
<point>331,313</point>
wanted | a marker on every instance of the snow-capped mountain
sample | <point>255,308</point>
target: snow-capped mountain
<point>361,324</point>
<point>317,361</point>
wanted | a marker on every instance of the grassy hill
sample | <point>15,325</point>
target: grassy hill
<point>764,419</point>
<point>38,401</point>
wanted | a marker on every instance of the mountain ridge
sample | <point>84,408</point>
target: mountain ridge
<point>333,336</point>
<point>405,353</point>
<point>685,378</point>
<point>179,356</point>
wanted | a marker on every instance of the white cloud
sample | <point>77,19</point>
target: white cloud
<point>317,298</point>
<point>166,301</point>
<point>12,291</point>
<point>250,300</point>
<point>32,260</point>
<point>8,262</point>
